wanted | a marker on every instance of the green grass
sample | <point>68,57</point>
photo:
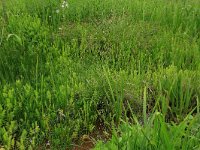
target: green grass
<point>132,66</point>
<point>157,134</point>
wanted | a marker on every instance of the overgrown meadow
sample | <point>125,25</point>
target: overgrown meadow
<point>119,74</point>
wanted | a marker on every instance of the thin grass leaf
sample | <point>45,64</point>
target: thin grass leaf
<point>19,40</point>
<point>145,105</point>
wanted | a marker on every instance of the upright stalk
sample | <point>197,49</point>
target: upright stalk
<point>5,17</point>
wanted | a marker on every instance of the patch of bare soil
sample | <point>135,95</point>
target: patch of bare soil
<point>88,141</point>
<point>86,145</point>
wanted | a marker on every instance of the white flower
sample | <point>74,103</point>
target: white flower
<point>64,2</point>
<point>57,11</point>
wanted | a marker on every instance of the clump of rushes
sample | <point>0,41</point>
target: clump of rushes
<point>157,134</point>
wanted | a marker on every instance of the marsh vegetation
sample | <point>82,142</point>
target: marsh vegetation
<point>119,74</point>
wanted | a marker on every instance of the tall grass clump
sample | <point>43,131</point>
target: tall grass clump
<point>156,135</point>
